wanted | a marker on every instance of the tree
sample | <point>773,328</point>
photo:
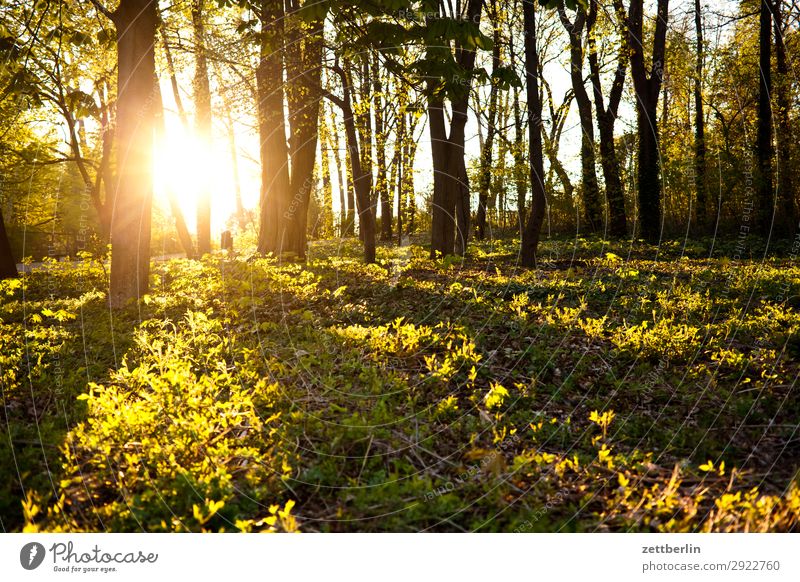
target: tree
<point>647,86</point>
<point>449,70</point>
<point>590,191</point>
<point>701,191</point>
<point>606,118</point>
<point>136,24</point>
<point>533,228</point>
<point>303,97</point>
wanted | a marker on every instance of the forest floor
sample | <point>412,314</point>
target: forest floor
<point>618,387</point>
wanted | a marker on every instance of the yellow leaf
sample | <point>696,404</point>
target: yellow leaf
<point>709,466</point>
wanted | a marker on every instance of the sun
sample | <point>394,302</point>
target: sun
<point>178,158</point>
<point>186,166</point>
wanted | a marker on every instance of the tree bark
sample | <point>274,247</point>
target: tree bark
<point>533,228</point>
<point>135,21</point>
<point>272,129</point>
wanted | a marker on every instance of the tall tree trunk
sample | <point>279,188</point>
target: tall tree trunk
<point>533,228</point>
<point>442,223</point>
<point>786,219</point>
<point>764,150</point>
<point>590,192</point>
<point>701,190</point>
<point>304,92</point>
<point>606,118</point>
<point>272,129</point>
<point>135,21</point>
<point>647,85</point>
<point>450,184</point>
<point>8,266</point>
<point>202,107</point>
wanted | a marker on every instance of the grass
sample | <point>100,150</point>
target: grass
<point>618,387</point>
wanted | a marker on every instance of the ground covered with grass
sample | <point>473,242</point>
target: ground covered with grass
<point>618,387</point>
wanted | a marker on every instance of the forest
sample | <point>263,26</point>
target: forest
<point>399,266</point>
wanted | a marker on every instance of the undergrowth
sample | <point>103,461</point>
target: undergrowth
<point>616,387</point>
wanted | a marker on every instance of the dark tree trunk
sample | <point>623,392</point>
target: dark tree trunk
<point>533,228</point>
<point>450,184</point>
<point>271,128</point>
<point>701,191</point>
<point>647,85</point>
<point>648,178</point>
<point>135,21</point>
<point>442,218</point>
<point>202,107</point>
<point>786,219</point>
<point>606,118</point>
<point>8,266</point>
<point>590,191</point>
<point>764,151</point>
